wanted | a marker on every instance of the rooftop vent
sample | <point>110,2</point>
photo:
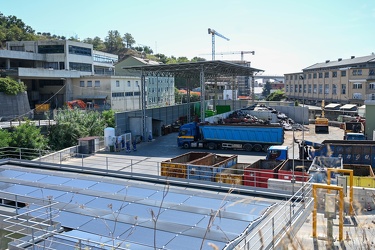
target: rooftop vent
<point>340,59</point>
<point>352,57</point>
<point>327,61</point>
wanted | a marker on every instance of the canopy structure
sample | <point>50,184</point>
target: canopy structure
<point>349,107</point>
<point>332,106</point>
<point>201,70</point>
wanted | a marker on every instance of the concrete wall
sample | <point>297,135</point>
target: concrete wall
<point>370,120</point>
<point>12,107</point>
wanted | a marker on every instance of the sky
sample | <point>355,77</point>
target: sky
<point>286,35</point>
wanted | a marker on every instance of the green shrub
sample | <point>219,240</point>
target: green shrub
<point>11,87</point>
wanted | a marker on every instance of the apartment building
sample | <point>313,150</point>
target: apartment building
<point>159,89</point>
<point>56,71</point>
<point>344,81</point>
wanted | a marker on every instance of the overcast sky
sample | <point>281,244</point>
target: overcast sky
<point>286,35</point>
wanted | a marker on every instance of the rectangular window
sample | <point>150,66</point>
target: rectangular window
<point>309,89</point>
<point>343,73</point>
<point>304,88</point>
<point>295,77</point>
<point>128,93</point>
<point>89,83</point>
<point>296,88</point>
<point>320,75</point>
<point>79,50</point>
<point>314,75</point>
<point>359,72</point>
<point>315,90</point>
<point>326,89</point>
<point>334,74</point>
<point>371,72</point>
<point>310,76</point>
<point>320,89</point>
<point>97,83</point>
<point>136,84</point>
<point>82,83</point>
<point>300,88</point>
<point>334,89</point>
<point>51,49</point>
<point>287,88</point>
<point>357,85</point>
<point>326,74</point>
<point>80,66</point>
<point>118,94</point>
<point>372,85</point>
<point>117,83</point>
<point>128,83</point>
<point>343,89</point>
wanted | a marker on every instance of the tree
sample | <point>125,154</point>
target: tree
<point>266,89</point>
<point>11,87</point>
<point>128,39</point>
<point>197,59</point>
<point>113,42</point>
<point>162,58</point>
<point>74,124</point>
<point>27,135</point>
<point>278,95</point>
<point>97,43</point>
<point>109,118</point>
<point>5,138</point>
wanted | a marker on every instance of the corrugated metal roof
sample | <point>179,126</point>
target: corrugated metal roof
<point>342,63</point>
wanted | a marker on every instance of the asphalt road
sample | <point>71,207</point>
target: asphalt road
<point>165,147</point>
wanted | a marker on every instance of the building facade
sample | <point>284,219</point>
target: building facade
<point>345,81</point>
<point>159,89</point>
<point>52,70</point>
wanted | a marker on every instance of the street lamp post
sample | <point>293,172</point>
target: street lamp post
<point>302,77</point>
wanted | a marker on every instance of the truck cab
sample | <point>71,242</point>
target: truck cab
<point>187,134</point>
<point>277,153</point>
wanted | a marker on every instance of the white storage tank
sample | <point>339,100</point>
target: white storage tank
<point>109,137</point>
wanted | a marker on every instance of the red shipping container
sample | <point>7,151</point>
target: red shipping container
<point>259,172</point>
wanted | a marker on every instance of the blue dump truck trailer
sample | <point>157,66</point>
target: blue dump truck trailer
<point>352,152</point>
<point>234,136</point>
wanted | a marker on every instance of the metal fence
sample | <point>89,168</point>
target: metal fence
<point>284,220</point>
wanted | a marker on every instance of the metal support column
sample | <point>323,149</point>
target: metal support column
<point>203,93</point>
<point>252,88</point>
<point>143,95</point>
<point>188,99</point>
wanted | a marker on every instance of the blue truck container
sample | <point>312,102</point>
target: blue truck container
<point>233,136</point>
<point>351,152</point>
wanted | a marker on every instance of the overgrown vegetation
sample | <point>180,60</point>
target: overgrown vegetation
<point>11,87</point>
<point>278,95</point>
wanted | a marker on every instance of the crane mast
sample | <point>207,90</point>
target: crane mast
<point>213,34</point>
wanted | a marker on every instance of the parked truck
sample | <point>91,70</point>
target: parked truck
<point>233,136</point>
<point>354,131</point>
<point>352,152</point>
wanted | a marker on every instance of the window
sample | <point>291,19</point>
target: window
<point>309,89</point>
<point>97,83</point>
<point>82,83</point>
<point>315,90</point>
<point>287,88</point>
<point>296,88</point>
<point>118,94</point>
<point>310,76</point>
<point>334,89</point>
<point>286,78</point>
<point>343,89</point>
<point>334,74</point>
<point>136,84</point>
<point>371,72</point>
<point>117,83</point>
<point>80,66</point>
<point>128,93</point>
<point>343,73</point>
<point>50,49</point>
<point>295,77</point>
<point>326,89</point>
<point>300,88</point>
<point>79,50</point>
<point>326,74</point>
<point>320,89</point>
<point>128,83</point>
<point>89,83</point>
<point>320,74</point>
<point>372,85</point>
<point>304,88</point>
<point>357,72</point>
<point>357,85</point>
<point>291,88</point>
<point>314,75</point>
